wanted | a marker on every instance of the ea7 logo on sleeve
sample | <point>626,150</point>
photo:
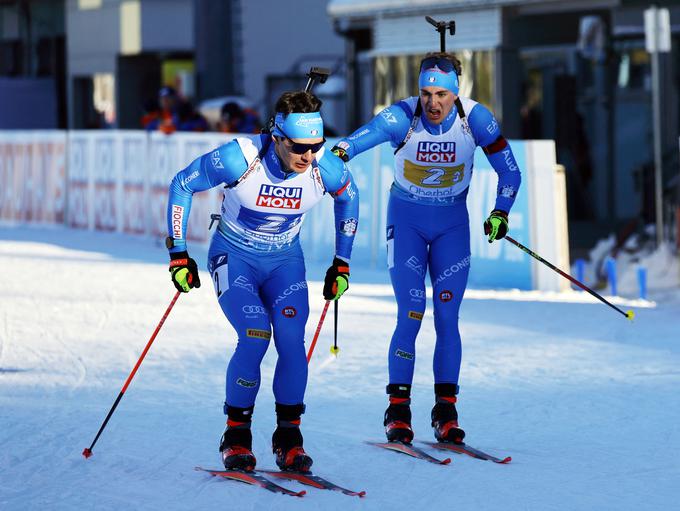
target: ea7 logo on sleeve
<point>280,197</point>
<point>216,160</point>
<point>389,116</point>
<point>436,152</point>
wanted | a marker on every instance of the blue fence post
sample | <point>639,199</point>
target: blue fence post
<point>580,265</point>
<point>610,265</point>
<point>642,281</point>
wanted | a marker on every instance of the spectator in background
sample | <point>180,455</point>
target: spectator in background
<point>234,119</point>
<point>168,119</point>
<point>152,113</point>
<point>189,119</point>
<point>172,113</point>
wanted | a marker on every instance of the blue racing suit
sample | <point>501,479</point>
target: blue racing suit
<point>255,259</point>
<point>427,218</point>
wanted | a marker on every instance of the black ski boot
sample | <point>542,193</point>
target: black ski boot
<point>287,439</point>
<point>237,441</point>
<point>398,415</point>
<point>444,414</point>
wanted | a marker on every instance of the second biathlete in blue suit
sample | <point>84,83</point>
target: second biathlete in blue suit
<point>434,136</point>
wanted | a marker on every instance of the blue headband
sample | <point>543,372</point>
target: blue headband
<point>435,77</point>
<point>297,125</point>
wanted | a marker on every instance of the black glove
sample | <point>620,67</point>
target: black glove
<point>337,280</point>
<point>183,271</point>
<point>340,153</point>
<point>496,226</point>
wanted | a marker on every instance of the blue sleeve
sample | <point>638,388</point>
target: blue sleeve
<point>223,165</point>
<point>487,134</point>
<point>391,124</point>
<point>339,182</point>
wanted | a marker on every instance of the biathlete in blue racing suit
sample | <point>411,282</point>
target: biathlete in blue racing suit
<point>435,137</point>
<point>256,262</point>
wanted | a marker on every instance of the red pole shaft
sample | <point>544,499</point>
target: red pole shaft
<point>88,451</point>
<point>148,344</point>
<point>318,330</point>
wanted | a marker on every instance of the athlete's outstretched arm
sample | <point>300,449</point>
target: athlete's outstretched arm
<point>223,165</point>
<point>338,181</point>
<point>390,125</point>
<point>487,134</point>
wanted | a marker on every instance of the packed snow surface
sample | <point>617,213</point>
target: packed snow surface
<point>585,401</point>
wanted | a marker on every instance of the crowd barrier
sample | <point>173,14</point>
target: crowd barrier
<point>118,181</point>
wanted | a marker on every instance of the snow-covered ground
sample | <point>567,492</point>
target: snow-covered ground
<point>585,402</point>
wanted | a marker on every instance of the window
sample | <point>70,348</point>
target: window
<point>634,69</point>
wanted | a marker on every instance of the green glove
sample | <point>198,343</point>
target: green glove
<point>337,280</point>
<point>340,153</point>
<point>496,226</point>
<point>184,272</point>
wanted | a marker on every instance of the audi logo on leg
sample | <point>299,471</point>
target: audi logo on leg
<point>253,309</point>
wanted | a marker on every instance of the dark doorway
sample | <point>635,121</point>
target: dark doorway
<point>139,79</point>
<point>85,115</point>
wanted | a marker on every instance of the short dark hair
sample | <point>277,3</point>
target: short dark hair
<point>232,110</point>
<point>167,91</point>
<point>451,57</point>
<point>300,102</point>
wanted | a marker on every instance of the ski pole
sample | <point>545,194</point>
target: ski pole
<point>628,314</point>
<point>334,348</point>
<point>318,330</point>
<point>87,452</point>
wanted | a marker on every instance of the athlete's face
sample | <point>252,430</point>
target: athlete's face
<point>437,103</point>
<point>294,161</point>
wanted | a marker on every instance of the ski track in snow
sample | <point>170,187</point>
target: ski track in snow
<point>585,402</point>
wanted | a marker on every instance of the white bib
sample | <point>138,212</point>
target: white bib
<point>436,166</point>
<point>264,212</point>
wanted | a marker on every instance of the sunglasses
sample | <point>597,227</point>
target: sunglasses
<point>443,64</point>
<point>297,148</point>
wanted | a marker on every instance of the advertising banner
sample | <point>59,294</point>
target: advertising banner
<point>33,176</point>
<point>118,181</point>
